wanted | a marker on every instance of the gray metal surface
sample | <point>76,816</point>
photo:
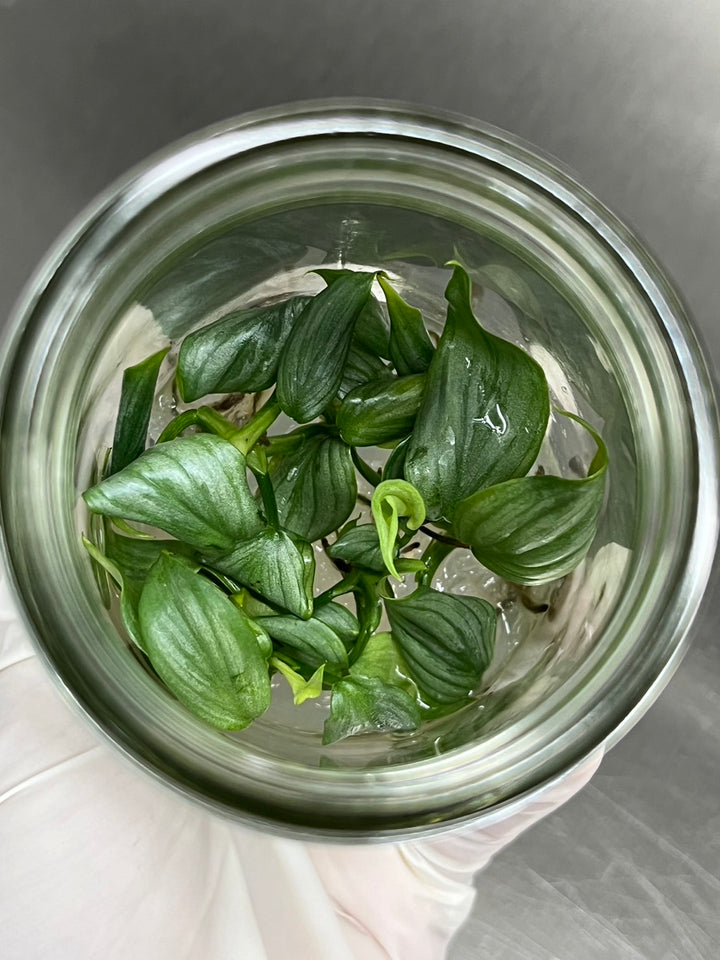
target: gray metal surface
<point>627,94</point>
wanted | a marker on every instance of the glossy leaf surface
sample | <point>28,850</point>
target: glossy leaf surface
<point>136,401</point>
<point>380,411</point>
<point>367,705</point>
<point>484,412</point>
<point>275,566</point>
<point>447,641</point>
<point>194,488</point>
<point>312,641</point>
<point>202,646</point>
<point>315,486</point>
<point>240,352</point>
<point>311,366</point>
<point>360,546</point>
<point>344,623</point>
<point>372,331</point>
<point>535,529</point>
<point>411,348</point>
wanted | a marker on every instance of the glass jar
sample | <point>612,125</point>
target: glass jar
<point>237,215</point>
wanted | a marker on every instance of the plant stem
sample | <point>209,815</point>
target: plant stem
<point>369,612</point>
<point>434,554</point>
<point>442,538</point>
<point>257,461</point>
<point>365,470</point>
<point>287,442</point>
<point>246,438</point>
<point>410,566</point>
<point>346,585</point>
<point>209,420</point>
<point>178,424</point>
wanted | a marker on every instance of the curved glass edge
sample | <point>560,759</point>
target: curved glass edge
<point>695,369</point>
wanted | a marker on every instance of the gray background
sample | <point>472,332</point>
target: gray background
<point>627,94</point>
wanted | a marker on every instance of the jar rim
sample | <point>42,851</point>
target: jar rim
<point>267,128</point>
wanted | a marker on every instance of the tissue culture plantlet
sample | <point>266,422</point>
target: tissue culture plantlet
<point>231,598</point>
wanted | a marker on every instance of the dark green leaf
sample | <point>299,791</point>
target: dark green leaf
<point>368,473</point>
<point>202,646</point>
<point>360,546</point>
<point>136,400</point>
<point>315,487</point>
<point>369,608</point>
<point>360,367</point>
<point>238,353</point>
<point>484,411</point>
<point>344,623</point>
<point>257,461</point>
<point>535,529</point>
<point>195,488</point>
<point>367,705</point>
<point>447,641</point>
<point>311,366</point>
<point>411,348</point>
<point>380,411</point>
<point>272,564</point>
<point>394,469</point>
<point>372,330</point>
<point>313,641</point>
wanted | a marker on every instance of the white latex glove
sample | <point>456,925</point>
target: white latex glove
<point>98,862</point>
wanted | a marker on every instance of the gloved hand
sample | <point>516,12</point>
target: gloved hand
<point>98,862</point>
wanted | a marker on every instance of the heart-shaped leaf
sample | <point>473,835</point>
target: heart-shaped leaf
<point>391,500</point>
<point>360,546</point>
<point>447,641</point>
<point>202,646</point>
<point>367,705</point>
<point>535,529</point>
<point>411,348</point>
<point>380,411</point>
<point>311,365</point>
<point>315,486</point>
<point>240,352</point>
<point>311,641</point>
<point>484,411</point>
<point>136,401</point>
<point>274,565</point>
<point>195,488</point>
